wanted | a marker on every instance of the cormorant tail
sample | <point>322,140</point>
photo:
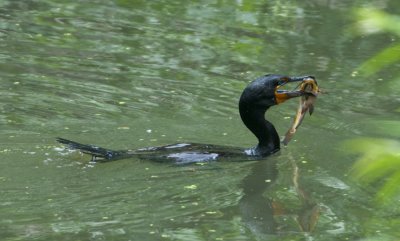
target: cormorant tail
<point>97,153</point>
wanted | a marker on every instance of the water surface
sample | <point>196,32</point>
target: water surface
<point>131,74</point>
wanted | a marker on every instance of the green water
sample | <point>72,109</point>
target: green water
<point>130,74</point>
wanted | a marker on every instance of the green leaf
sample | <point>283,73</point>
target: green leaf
<point>380,162</point>
<point>386,57</point>
<point>371,168</point>
<point>374,21</point>
<point>390,188</point>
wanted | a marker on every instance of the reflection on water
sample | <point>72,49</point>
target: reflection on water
<point>131,74</point>
<point>256,210</point>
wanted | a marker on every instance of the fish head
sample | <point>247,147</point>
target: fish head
<point>309,87</point>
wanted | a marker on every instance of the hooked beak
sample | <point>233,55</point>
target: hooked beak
<point>284,95</point>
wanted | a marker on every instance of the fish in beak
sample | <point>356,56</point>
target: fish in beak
<point>284,95</point>
<point>308,91</point>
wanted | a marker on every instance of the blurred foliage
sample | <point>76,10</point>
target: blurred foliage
<point>380,161</point>
<point>372,21</point>
<point>379,164</point>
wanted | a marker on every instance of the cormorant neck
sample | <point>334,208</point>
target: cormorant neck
<point>268,138</point>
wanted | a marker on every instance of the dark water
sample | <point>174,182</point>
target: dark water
<point>130,74</point>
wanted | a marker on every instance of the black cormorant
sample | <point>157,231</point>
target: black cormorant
<point>255,100</point>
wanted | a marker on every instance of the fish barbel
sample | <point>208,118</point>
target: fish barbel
<point>307,100</point>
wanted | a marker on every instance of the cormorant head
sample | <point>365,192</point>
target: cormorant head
<point>256,98</point>
<point>267,91</point>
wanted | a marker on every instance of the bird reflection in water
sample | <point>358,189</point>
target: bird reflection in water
<point>260,213</point>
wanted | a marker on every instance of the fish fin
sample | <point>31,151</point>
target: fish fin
<point>311,109</point>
